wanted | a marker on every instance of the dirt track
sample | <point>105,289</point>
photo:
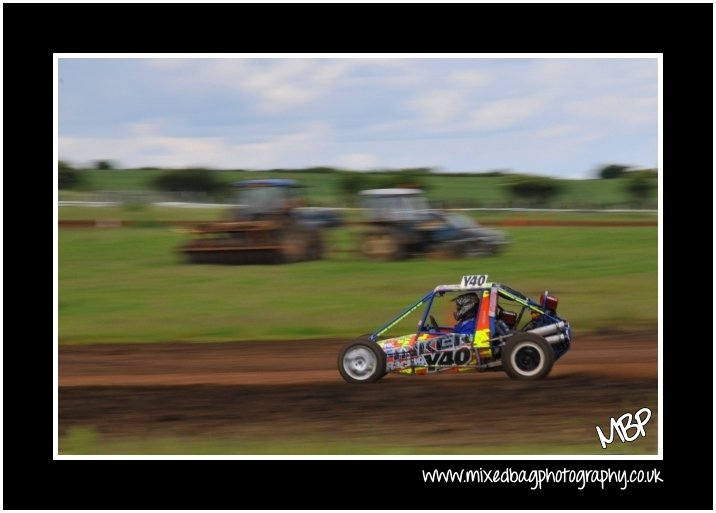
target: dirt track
<point>293,387</point>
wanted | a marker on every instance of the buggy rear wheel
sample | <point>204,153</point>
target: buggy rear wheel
<point>362,361</point>
<point>527,356</point>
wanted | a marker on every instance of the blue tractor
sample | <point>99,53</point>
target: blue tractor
<point>398,223</point>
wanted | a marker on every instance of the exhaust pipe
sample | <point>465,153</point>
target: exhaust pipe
<point>556,339</point>
<point>548,330</point>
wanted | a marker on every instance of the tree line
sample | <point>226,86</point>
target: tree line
<point>526,190</point>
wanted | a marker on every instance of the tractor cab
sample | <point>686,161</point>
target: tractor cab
<point>266,198</point>
<point>394,205</point>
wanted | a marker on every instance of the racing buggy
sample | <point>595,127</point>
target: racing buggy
<point>506,331</point>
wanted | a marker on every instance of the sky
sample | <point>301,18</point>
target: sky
<point>560,117</point>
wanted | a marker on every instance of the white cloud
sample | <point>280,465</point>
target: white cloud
<point>283,84</point>
<point>437,107</point>
<point>144,145</point>
<point>470,78</point>
<point>168,64</point>
<point>359,161</point>
<point>551,71</point>
<point>556,131</point>
<point>621,108</point>
<point>275,84</point>
<point>499,114</point>
<point>457,114</point>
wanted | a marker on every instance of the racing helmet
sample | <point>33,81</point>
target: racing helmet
<point>465,306</point>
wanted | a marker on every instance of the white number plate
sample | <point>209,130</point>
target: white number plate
<point>475,280</point>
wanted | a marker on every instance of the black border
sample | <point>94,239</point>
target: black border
<point>32,480</point>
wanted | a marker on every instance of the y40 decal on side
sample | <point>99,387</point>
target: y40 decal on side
<point>447,358</point>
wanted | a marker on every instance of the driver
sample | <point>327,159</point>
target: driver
<point>465,313</point>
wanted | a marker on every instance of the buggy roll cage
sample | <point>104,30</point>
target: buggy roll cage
<point>502,291</point>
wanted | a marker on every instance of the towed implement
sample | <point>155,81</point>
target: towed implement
<point>269,226</point>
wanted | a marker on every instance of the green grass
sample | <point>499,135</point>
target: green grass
<point>148,214</point>
<point>129,285</point>
<point>153,214</point>
<point>84,441</point>
<point>324,188</point>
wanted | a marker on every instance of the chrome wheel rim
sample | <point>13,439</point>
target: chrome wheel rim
<point>360,363</point>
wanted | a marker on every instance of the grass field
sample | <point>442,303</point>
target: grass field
<point>129,285</point>
<point>80,441</point>
<point>154,214</point>
<point>324,188</point>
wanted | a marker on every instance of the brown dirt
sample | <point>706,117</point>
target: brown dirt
<point>306,361</point>
<point>563,222</point>
<point>293,387</point>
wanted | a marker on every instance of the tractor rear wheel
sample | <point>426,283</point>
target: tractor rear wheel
<point>295,246</point>
<point>383,245</point>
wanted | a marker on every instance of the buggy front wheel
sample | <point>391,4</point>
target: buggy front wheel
<point>362,361</point>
